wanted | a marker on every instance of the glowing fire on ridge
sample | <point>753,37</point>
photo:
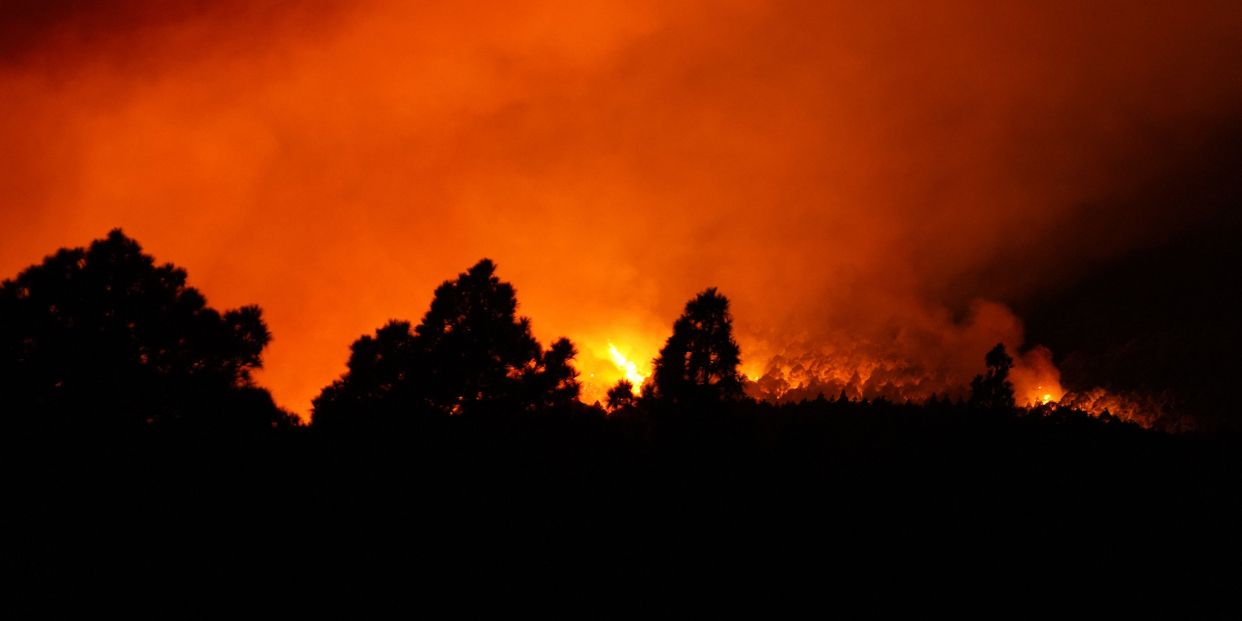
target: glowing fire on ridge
<point>1036,383</point>
<point>628,368</point>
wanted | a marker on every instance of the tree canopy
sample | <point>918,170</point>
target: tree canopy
<point>470,353</point>
<point>620,396</point>
<point>992,390</point>
<point>103,337</point>
<point>700,360</point>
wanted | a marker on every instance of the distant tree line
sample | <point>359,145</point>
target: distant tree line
<point>105,338</point>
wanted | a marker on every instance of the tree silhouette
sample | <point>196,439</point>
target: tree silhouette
<point>470,352</point>
<point>553,382</point>
<point>700,359</point>
<point>620,396</point>
<point>474,347</point>
<point>378,383</point>
<point>102,337</point>
<point>992,390</point>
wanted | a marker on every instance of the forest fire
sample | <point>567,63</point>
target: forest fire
<point>332,167</point>
<point>1036,384</point>
<point>1036,381</point>
<point>628,368</point>
<point>1148,410</point>
<point>611,303</point>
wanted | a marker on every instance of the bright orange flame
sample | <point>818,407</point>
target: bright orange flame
<point>627,367</point>
<point>1040,395</point>
<point>1036,379</point>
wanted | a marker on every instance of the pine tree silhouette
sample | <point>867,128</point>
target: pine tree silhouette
<point>102,337</point>
<point>700,360</point>
<point>470,352</point>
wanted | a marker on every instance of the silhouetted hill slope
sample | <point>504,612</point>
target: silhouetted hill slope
<point>647,500</point>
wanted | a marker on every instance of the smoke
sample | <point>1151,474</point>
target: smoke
<point>873,186</point>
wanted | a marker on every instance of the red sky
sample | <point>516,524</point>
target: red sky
<point>868,181</point>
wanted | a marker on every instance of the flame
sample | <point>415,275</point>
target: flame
<point>1144,409</point>
<point>862,373</point>
<point>627,367</point>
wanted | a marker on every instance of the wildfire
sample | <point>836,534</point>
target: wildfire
<point>1041,395</point>
<point>1035,378</point>
<point>1148,410</point>
<point>627,367</point>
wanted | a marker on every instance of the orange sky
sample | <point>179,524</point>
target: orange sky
<point>863,180</point>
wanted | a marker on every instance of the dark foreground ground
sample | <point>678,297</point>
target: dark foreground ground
<point>596,513</point>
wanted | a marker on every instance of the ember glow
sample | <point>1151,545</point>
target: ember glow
<point>876,188</point>
<point>1036,380</point>
<point>1147,410</point>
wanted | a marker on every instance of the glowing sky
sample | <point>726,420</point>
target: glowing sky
<point>885,178</point>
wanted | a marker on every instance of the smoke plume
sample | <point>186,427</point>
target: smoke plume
<point>875,186</point>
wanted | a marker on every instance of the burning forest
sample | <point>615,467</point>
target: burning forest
<point>624,287</point>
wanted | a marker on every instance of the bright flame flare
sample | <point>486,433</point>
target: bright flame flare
<point>627,367</point>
